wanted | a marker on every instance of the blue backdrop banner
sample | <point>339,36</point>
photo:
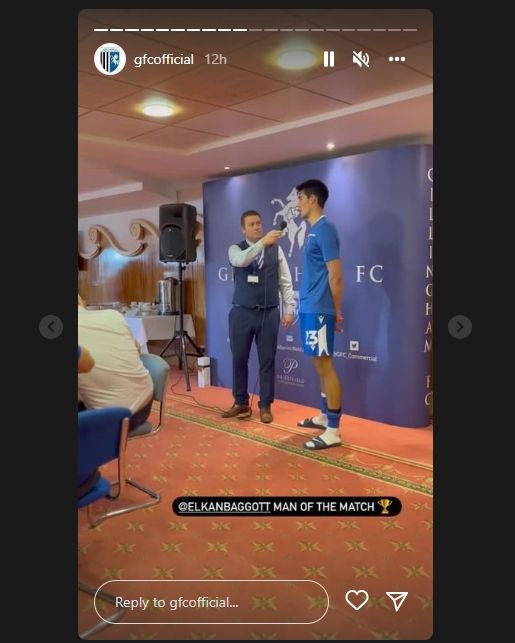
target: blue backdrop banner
<point>381,204</point>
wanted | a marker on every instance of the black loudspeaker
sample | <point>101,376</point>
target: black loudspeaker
<point>177,232</point>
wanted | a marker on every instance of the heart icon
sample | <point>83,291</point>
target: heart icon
<point>352,598</point>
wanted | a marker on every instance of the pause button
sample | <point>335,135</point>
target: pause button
<point>328,58</point>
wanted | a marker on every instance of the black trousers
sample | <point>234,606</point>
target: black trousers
<point>245,326</point>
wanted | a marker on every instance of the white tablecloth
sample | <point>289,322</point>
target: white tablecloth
<point>157,327</point>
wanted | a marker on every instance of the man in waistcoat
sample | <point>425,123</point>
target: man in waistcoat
<point>260,273</point>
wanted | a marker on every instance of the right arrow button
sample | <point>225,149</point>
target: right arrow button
<point>460,326</point>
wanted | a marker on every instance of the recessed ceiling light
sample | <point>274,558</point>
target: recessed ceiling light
<point>158,110</point>
<point>296,59</point>
<point>330,146</point>
<point>227,167</point>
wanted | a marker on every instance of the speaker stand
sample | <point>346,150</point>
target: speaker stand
<point>181,335</point>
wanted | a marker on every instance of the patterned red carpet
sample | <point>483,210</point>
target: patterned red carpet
<point>199,454</point>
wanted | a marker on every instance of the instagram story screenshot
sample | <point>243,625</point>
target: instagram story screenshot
<point>255,324</point>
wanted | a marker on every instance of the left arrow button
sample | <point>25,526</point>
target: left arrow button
<point>51,327</point>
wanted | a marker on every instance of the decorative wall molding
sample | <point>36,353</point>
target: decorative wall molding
<point>137,228</point>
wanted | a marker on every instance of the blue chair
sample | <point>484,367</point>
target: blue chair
<point>102,438</point>
<point>158,369</point>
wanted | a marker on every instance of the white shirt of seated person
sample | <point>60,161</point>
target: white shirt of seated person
<point>118,377</point>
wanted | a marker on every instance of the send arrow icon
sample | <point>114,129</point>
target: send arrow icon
<point>398,599</point>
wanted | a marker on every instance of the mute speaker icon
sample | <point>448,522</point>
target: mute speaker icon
<point>360,58</point>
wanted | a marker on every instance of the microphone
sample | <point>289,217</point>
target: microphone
<point>282,227</point>
<point>279,228</point>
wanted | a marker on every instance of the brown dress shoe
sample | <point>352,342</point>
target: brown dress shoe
<point>266,415</point>
<point>235,410</point>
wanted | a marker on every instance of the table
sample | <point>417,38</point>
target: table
<point>145,327</point>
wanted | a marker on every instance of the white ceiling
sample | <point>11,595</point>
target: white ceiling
<point>249,113</point>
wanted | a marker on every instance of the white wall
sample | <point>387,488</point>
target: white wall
<point>192,195</point>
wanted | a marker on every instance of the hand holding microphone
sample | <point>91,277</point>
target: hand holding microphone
<point>274,235</point>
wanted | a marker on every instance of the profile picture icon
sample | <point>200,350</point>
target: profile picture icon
<point>110,59</point>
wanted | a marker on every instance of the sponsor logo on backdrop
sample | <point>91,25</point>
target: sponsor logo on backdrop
<point>289,364</point>
<point>297,349</point>
<point>110,59</point>
<point>353,345</point>
<point>289,212</point>
<point>288,380</point>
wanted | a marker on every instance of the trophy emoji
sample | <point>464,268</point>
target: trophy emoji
<point>384,503</point>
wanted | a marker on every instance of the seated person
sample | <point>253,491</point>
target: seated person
<point>119,377</point>
<point>86,362</point>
